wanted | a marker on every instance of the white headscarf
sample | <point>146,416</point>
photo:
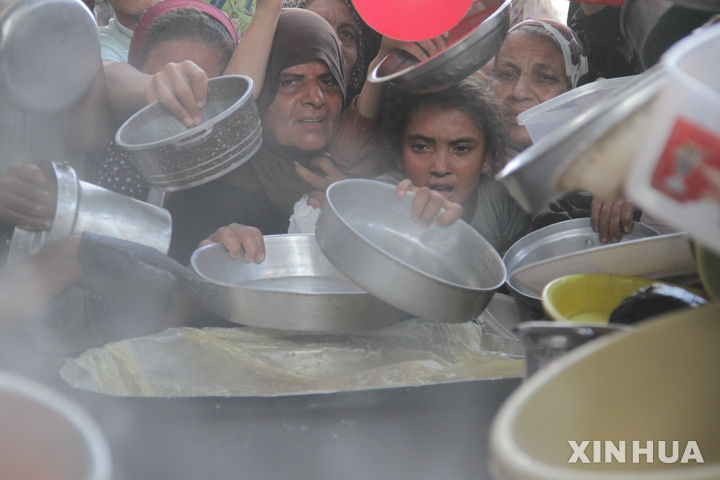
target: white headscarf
<point>576,63</point>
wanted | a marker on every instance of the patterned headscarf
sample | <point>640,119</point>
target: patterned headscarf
<point>165,6</point>
<point>368,45</point>
<point>576,63</point>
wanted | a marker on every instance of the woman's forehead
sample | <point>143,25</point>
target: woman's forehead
<point>535,47</point>
<point>334,11</point>
<point>443,118</point>
<point>312,67</point>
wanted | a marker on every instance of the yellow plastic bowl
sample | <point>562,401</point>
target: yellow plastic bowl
<point>588,298</point>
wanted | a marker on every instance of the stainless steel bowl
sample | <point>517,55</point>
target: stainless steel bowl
<point>474,41</point>
<point>552,241</point>
<point>448,274</point>
<point>597,138</point>
<point>84,207</point>
<point>173,157</point>
<point>295,288</point>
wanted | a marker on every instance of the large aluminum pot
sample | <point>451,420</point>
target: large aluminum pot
<point>415,433</point>
<point>653,26</point>
<point>448,274</point>
<point>655,382</point>
<point>84,207</point>
<point>45,436</point>
<point>294,288</point>
<point>173,157</point>
<point>49,53</point>
<point>474,41</point>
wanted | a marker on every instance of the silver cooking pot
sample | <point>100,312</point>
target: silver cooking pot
<point>173,157</point>
<point>49,53</point>
<point>443,273</point>
<point>84,207</point>
<point>474,41</point>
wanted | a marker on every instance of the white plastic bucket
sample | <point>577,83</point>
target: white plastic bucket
<point>676,176</point>
<point>44,436</point>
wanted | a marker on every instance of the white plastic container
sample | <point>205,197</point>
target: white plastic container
<point>44,436</point>
<point>676,175</point>
<point>543,119</point>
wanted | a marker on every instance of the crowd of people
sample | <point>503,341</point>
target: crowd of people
<point>322,122</point>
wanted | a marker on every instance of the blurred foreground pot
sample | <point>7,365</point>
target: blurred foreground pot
<point>657,382</point>
<point>45,436</point>
<point>49,52</point>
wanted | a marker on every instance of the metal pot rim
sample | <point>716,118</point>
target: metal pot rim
<point>458,224</point>
<point>244,98</point>
<point>268,238</point>
<point>439,61</point>
<point>25,242</point>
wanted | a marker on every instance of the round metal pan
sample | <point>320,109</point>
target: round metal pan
<point>447,274</point>
<point>553,241</point>
<point>294,288</point>
<point>474,41</point>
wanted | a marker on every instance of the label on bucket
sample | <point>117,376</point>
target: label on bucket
<point>681,185</point>
<point>689,167</point>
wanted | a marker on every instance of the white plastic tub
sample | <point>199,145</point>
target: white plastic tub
<point>545,118</point>
<point>676,175</point>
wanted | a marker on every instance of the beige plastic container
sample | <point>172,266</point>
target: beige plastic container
<point>44,436</point>
<point>656,382</point>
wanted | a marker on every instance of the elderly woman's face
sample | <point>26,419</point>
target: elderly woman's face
<point>443,149</point>
<point>338,15</point>
<point>305,111</point>
<point>529,69</point>
<point>207,57</point>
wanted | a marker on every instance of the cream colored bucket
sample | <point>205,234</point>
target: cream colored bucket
<point>658,382</point>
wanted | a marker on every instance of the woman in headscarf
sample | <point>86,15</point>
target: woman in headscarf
<point>539,60</point>
<point>359,42</point>
<point>302,94</point>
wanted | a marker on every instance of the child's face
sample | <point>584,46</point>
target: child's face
<point>443,149</point>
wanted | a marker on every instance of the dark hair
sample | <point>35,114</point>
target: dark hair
<point>185,23</point>
<point>466,97</point>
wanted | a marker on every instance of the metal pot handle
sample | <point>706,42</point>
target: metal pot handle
<point>194,139</point>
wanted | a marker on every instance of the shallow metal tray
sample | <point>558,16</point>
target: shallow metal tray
<point>295,288</point>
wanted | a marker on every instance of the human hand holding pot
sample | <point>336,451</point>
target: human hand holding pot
<point>428,205</point>
<point>612,218</point>
<point>27,197</point>
<point>182,89</point>
<point>239,239</point>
